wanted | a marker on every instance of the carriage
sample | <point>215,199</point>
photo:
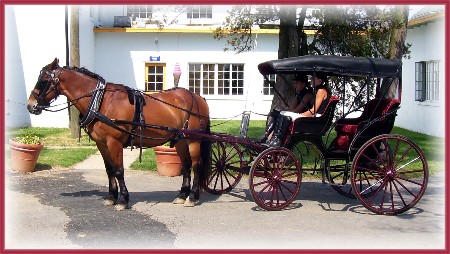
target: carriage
<point>357,157</point>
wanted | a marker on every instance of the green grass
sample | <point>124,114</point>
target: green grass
<point>74,151</point>
<point>51,158</point>
<point>433,147</point>
<point>255,130</point>
<point>148,161</point>
<point>60,150</point>
<point>52,136</point>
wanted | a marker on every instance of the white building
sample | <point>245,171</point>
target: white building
<point>144,58</point>
<point>34,35</point>
<point>423,96</point>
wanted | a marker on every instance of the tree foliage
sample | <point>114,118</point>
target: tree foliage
<point>361,31</point>
<point>238,25</point>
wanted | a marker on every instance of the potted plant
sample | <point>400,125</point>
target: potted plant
<point>168,162</point>
<point>25,151</point>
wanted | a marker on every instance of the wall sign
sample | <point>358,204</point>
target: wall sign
<point>155,58</point>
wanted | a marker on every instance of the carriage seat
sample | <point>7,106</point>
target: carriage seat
<point>346,128</point>
<point>316,125</point>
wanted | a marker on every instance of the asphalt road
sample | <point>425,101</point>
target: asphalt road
<point>61,209</point>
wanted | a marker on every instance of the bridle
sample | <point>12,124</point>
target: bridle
<point>45,87</point>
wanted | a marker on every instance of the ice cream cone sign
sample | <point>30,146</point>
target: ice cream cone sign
<point>176,75</point>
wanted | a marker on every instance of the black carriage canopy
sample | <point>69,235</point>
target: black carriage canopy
<point>334,66</point>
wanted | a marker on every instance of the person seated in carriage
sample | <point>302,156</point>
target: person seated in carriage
<point>301,102</point>
<point>312,108</point>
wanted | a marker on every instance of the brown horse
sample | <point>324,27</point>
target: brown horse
<point>113,120</point>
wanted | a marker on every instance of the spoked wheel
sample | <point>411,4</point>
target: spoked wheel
<point>226,168</point>
<point>312,158</point>
<point>275,178</point>
<point>339,178</point>
<point>389,174</point>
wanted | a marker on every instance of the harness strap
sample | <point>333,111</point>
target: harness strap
<point>139,103</point>
<point>94,104</point>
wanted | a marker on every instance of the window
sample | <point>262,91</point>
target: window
<point>197,12</point>
<point>140,11</point>
<point>230,79</point>
<point>201,78</point>
<point>154,77</point>
<point>267,87</point>
<point>427,81</point>
<point>216,79</point>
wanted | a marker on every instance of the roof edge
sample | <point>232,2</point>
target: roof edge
<point>425,19</point>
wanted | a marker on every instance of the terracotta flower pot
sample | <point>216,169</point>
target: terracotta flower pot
<point>168,162</point>
<point>24,156</point>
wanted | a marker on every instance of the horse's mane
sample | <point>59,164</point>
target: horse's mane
<point>86,72</point>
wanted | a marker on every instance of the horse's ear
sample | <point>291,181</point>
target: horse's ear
<point>55,63</point>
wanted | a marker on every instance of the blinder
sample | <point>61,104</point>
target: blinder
<point>45,87</point>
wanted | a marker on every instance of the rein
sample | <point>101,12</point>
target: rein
<point>93,111</point>
<point>174,106</point>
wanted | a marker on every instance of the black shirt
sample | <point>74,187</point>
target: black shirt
<point>324,104</point>
<point>302,94</point>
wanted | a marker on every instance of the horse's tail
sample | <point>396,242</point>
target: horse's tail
<point>205,161</point>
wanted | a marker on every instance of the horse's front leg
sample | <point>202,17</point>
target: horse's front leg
<point>119,173</point>
<point>118,192</point>
<point>113,192</point>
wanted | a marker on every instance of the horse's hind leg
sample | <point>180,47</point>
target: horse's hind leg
<point>183,152</point>
<point>194,195</point>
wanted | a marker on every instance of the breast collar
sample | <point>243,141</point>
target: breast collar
<point>94,104</point>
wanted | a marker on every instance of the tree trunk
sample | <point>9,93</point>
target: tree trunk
<point>287,47</point>
<point>302,37</point>
<point>396,47</point>
<point>74,61</point>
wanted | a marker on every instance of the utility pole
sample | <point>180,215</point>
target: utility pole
<point>74,61</point>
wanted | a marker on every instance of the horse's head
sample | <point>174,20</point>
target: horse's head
<point>45,90</point>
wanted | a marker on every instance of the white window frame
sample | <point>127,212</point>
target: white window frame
<point>427,81</point>
<point>267,87</point>
<point>148,13</point>
<point>199,12</point>
<point>203,76</point>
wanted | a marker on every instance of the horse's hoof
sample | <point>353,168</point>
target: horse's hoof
<point>179,201</point>
<point>190,203</point>
<point>108,202</point>
<point>121,207</point>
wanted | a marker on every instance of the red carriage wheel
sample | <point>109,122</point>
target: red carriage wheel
<point>393,170</point>
<point>226,167</point>
<point>275,178</point>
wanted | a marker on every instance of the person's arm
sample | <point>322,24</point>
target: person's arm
<point>321,95</point>
<point>302,106</point>
<point>293,104</point>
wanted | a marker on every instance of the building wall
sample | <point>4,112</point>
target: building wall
<point>121,58</point>
<point>15,90</point>
<point>34,36</point>
<point>428,43</point>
